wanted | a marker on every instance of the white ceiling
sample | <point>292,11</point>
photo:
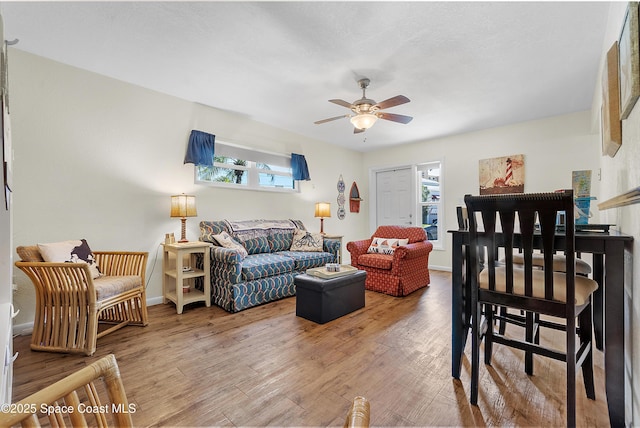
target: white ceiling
<point>465,65</point>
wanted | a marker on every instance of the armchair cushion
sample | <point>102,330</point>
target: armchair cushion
<point>379,261</point>
<point>74,251</point>
<point>109,286</point>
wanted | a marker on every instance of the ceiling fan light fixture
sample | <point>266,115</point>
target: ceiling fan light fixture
<point>364,120</point>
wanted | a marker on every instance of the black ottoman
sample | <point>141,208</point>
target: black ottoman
<point>323,300</point>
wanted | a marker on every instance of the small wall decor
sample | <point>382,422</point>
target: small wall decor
<point>611,124</point>
<point>341,211</point>
<point>629,61</point>
<point>502,175</point>
<point>354,198</point>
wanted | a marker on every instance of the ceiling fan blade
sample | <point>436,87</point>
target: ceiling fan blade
<point>330,119</point>
<point>342,103</point>
<point>395,117</point>
<point>358,130</point>
<point>392,102</point>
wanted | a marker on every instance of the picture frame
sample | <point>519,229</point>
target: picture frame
<point>611,123</point>
<point>501,175</point>
<point>629,61</point>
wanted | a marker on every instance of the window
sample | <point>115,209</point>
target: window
<point>429,200</point>
<point>243,168</point>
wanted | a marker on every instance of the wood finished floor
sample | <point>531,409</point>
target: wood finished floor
<point>266,367</point>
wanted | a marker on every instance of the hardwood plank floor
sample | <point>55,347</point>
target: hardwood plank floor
<point>266,367</point>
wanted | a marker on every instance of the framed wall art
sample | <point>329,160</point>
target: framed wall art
<point>611,124</point>
<point>502,175</point>
<point>629,61</point>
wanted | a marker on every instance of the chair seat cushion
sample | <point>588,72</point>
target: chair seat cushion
<point>559,263</point>
<point>584,286</point>
<point>109,286</point>
<point>378,261</point>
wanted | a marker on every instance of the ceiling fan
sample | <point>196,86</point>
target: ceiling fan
<point>367,111</point>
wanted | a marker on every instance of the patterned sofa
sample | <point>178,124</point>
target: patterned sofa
<point>399,269</point>
<point>267,272</point>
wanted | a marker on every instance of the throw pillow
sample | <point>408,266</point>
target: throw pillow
<point>386,245</point>
<point>74,251</point>
<point>306,241</point>
<point>225,240</point>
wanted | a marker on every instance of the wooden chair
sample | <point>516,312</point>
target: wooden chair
<point>532,290</point>
<point>70,303</point>
<point>92,396</point>
<point>358,415</point>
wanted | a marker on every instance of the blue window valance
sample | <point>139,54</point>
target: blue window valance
<point>299,167</point>
<point>200,149</point>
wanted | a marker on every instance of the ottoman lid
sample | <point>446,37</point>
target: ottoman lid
<point>314,283</point>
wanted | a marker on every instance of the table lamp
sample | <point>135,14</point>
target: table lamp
<point>323,209</point>
<point>183,206</point>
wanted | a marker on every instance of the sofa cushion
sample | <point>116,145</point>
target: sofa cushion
<point>255,241</point>
<point>263,265</point>
<point>74,251</point>
<point>378,261</point>
<point>306,241</point>
<point>306,260</point>
<point>280,239</point>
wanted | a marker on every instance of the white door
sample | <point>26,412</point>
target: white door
<point>394,197</point>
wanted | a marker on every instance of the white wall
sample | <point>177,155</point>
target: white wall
<point>97,158</point>
<point>620,174</point>
<point>552,148</point>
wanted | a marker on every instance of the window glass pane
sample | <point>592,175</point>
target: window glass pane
<point>430,190</point>
<point>248,169</point>
<point>230,161</point>
<point>271,167</point>
<point>222,175</point>
<point>275,180</point>
<point>430,221</point>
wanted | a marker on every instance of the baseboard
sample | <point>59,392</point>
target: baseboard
<point>27,328</point>
<point>22,329</point>
<point>442,268</point>
<point>154,301</point>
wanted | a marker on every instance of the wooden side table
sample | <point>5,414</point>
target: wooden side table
<point>175,274</point>
<point>339,238</point>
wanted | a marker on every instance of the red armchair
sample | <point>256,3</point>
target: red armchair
<point>397,274</point>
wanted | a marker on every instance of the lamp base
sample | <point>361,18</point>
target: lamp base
<point>183,231</point>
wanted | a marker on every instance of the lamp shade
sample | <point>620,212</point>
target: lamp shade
<point>183,206</point>
<point>364,120</point>
<point>323,209</point>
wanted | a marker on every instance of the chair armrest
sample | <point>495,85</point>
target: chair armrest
<point>225,255</point>
<point>113,263</point>
<point>358,248</point>
<point>412,251</point>
<point>331,246</point>
<point>60,279</point>
<point>226,264</point>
